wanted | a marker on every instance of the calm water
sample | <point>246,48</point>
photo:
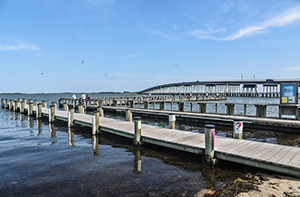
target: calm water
<point>38,159</point>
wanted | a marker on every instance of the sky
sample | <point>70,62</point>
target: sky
<point>49,46</point>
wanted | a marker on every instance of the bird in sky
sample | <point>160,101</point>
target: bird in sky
<point>42,73</point>
<point>81,62</point>
<point>175,65</point>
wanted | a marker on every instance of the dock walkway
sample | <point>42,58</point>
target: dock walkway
<point>278,158</point>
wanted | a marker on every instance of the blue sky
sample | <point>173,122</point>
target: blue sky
<point>130,45</point>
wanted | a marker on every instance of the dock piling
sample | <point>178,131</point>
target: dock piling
<point>172,120</point>
<point>44,104</point>
<point>22,109</point>
<point>52,113</point>
<point>71,117</point>
<point>16,105</point>
<point>137,131</point>
<point>80,109</point>
<point>209,144</point>
<point>128,115</point>
<point>97,121</point>
<point>30,109</point>
<point>2,102</point>
<point>39,111</point>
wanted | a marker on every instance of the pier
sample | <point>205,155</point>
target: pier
<point>196,110</point>
<point>278,158</point>
<point>234,88</point>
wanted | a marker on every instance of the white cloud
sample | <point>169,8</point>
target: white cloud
<point>205,34</point>
<point>19,46</point>
<point>290,16</point>
<point>131,55</point>
<point>175,26</point>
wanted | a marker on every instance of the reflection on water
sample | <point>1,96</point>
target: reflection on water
<point>52,131</point>
<point>71,137</point>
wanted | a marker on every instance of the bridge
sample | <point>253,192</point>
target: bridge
<point>249,88</point>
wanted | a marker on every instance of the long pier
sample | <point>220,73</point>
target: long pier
<point>278,158</point>
<point>197,111</point>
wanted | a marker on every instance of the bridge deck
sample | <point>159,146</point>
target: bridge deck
<point>283,159</point>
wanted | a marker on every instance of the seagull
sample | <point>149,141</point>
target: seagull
<point>175,65</point>
<point>105,74</point>
<point>81,62</point>
<point>42,73</point>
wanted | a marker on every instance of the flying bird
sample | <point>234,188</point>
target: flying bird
<point>175,65</point>
<point>81,62</point>
<point>42,73</point>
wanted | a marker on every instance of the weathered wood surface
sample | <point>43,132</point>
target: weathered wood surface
<point>286,159</point>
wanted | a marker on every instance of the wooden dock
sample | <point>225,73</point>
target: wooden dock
<point>278,158</point>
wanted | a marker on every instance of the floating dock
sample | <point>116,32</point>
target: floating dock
<point>277,158</point>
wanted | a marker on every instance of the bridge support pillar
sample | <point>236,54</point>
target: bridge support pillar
<point>181,106</point>
<point>202,107</point>
<point>230,108</point>
<point>261,111</point>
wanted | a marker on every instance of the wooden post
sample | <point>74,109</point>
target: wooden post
<point>52,113</point>
<point>80,109</point>
<point>35,102</point>
<point>209,144</point>
<point>30,109</point>
<point>20,100</point>
<point>101,114</point>
<point>2,102</point>
<point>172,120</point>
<point>237,128</point>
<point>245,109</point>
<point>97,121</point>
<point>11,104</point>
<point>202,107</point>
<point>171,105</point>
<point>16,105</point>
<point>216,107</point>
<point>162,105</point>
<point>44,104</point>
<point>261,111</point>
<point>128,115</point>
<point>71,117</point>
<point>115,103</point>
<point>94,132</point>
<point>146,104</point>
<point>22,109</point>
<point>230,108</point>
<point>39,111</point>
<point>66,107</point>
<point>181,106</point>
<point>137,131</point>
<point>6,104</point>
<point>24,101</point>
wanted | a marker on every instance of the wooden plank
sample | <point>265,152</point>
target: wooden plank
<point>233,146</point>
<point>281,153</point>
<point>243,150</point>
<point>289,156</point>
<point>296,160</point>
